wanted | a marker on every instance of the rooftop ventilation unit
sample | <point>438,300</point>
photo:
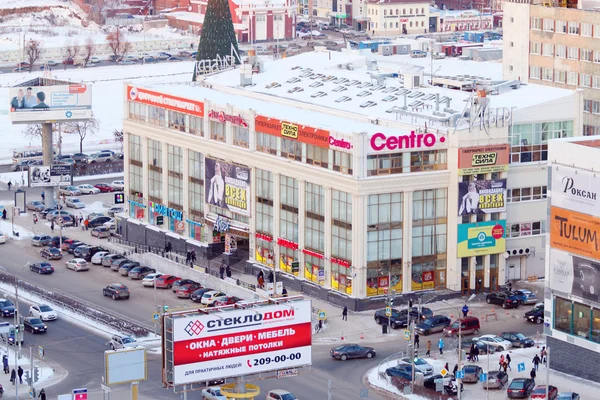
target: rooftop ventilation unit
<point>389,98</point>
<point>379,87</point>
<point>416,104</point>
<point>341,80</point>
<point>352,83</point>
<point>364,93</point>
<point>317,76</point>
<point>328,78</point>
<point>340,89</point>
<point>272,85</point>
<point>350,67</point>
<point>293,80</point>
<point>402,92</point>
<point>319,94</point>
<point>368,104</point>
<point>316,84</point>
<point>343,99</point>
<point>390,89</point>
<point>308,72</point>
<point>364,85</point>
<point>428,97</point>
<point>414,95</point>
<point>296,89</point>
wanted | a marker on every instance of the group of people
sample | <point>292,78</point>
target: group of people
<point>28,100</point>
<point>190,257</point>
<point>504,362</point>
<point>18,373</point>
<point>225,270</point>
<point>473,353</point>
<point>260,279</point>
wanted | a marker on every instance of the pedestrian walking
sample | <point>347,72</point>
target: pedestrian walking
<point>42,395</point>
<point>271,277</point>
<point>319,326</point>
<point>4,213</point>
<point>508,360</point>
<point>52,225</point>
<point>536,362</point>
<point>13,376</point>
<point>9,184</point>
<point>416,340</point>
<point>446,367</point>
<point>441,346</point>
<point>501,361</point>
<point>35,218</point>
<point>454,369</point>
<point>471,356</point>
<point>543,354</point>
<point>284,292</point>
<point>193,256</point>
<point>465,311</point>
<point>43,196</point>
<point>20,373</point>
<point>222,271</point>
<point>86,223</point>
<point>476,352</point>
<point>228,271</point>
<point>188,257</point>
<point>532,374</point>
<point>428,347</point>
<point>5,364</point>
<point>505,366</point>
<point>345,314</point>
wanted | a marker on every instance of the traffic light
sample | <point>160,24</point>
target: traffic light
<point>119,198</point>
<point>165,308</point>
<point>36,374</point>
<point>391,301</point>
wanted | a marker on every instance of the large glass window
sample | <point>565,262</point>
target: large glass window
<point>196,126</point>
<point>217,131</point>
<point>341,241</point>
<point>317,155</point>
<point>529,142</point>
<point>175,177</point>
<point>288,220</point>
<point>177,120</point>
<point>196,194</point>
<point>399,163</point>
<point>136,184</point>
<point>342,162</point>
<point>137,111</point>
<point>384,243</point>
<point>155,171</point>
<point>266,143</point>
<point>156,116</point>
<point>241,136</point>
<point>155,185</point>
<point>596,325</point>
<point>264,218</point>
<point>155,153</point>
<point>291,149</point>
<point>315,220</point>
<point>563,309</point>
<point>582,320</point>
<point>429,239</point>
<point>314,269</point>
<point>135,147</point>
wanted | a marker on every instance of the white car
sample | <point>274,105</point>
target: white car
<point>88,189</point>
<point>119,185</point>
<point>78,264</point>
<point>43,312</point>
<point>95,60</point>
<point>110,224</point>
<point>2,238</point>
<point>74,202</point>
<point>279,394</point>
<point>212,393</point>
<point>122,342</point>
<point>494,341</point>
<point>149,279</point>
<point>209,298</point>
<point>97,258</point>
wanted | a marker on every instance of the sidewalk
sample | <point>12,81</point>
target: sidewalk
<point>47,374</point>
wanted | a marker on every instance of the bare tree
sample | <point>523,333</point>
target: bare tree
<point>34,131</point>
<point>33,49</point>
<point>88,51</point>
<point>83,129</point>
<point>119,137</point>
<point>118,43</point>
<point>72,49</point>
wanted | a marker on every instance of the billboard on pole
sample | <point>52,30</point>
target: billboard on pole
<point>237,342</point>
<point>38,104</point>
<point>50,175</point>
<point>124,366</point>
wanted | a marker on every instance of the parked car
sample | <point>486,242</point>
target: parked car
<point>103,156</point>
<point>56,241</point>
<point>346,351</point>
<point>127,267</point>
<point>116,291</point>
<point>95,60</point>
<point>41,240</point>
<point>496,380</point>
<point>100,232</point>
<point>483,347</point>
<point>122,342</point>
<point>525,296</point>
<point>400,371</point>
<point>69,191</point>
<point>34,325</point>
<point>42,268</point>
<point>140,272</point>
<point>81,250</point>
<point>66,243</point>
<point>568,396</point>
<point>185,291</point>
<point>180,282</point>
<point>7,308</point>
<point>540,392</point>
<point>517,339</point>
<point>3,238</point>
<point>53,215</point>
<point>108,259</point>
<point>97,258</point>
<point>71,248</point>
<point>44,213</point>
<point>226,300</point>
<point>496,342</point>
<point>52,63</point>
<point>115,210</point>
<point>43,312</point>
<point>35,205</point>
<point>212,393</point>
<point>472,373</point>
<point>208,298</point>
<point>98,221</point>
<point>196,296</point>
<point>279,394</point>
<point>88,189</point>
<point>166,281</point>
<point>469,326</point>
<point>174,59</point>
<point>78,264</point>
<point>104,187</point>
<point>126,62</point>
<point>520,388</point>
<point>87,252</point>
<point>504,299</point>
<point>117,263</point>
<point>437,323</point>
<point>118,185</point>
<point>149,279</point>
<point>74,202</point>
<point>51,253</point>
<point>418,54</point>
<point>420,365</point>
<point>536,314</point>
<point>93,215</point>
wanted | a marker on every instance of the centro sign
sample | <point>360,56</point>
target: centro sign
<point>380,141</point>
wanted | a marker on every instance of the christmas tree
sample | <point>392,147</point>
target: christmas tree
<point>217,35</point>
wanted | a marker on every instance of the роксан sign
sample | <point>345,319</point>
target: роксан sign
<point>576,190</point>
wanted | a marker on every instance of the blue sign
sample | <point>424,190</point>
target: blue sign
<point>165,211</point>
<point>155,317</point>
<point>321,315</point>
<point>460,374</point>
<point>483,377</point>
<point>521,367</point>
<point>221,225</point>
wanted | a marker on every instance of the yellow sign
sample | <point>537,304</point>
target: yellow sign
<point>481,238</point>
<point>289,130</point>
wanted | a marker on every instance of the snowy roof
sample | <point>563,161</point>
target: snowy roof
<point>187,16</point>
<point>260,3</point>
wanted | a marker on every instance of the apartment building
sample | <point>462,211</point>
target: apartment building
<point>558,46</point>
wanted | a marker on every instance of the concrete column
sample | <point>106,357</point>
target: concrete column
<point>48,157</point>
<point>252,224</point>
<point>359,245</point>
<point>486,273</point>
<point>301,219</point>
<point>407,242</point>
<point>146,186</point>
<point>165,175</point>
<point>276,217</point>
<point>327,260</point>
<point>185,187</point>
<point>472,273</point>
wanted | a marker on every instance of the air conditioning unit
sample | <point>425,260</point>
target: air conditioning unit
<point>519,252</point>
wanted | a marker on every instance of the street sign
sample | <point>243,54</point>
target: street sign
<point>460,374</point>
<point>321,315</point>
<point>406,334</point>
<point>388,311</point>
<point>41,352</point>
<point>104,387</point>
<point>80,394</point>
<point>285,373</point>
<point>155,317</point>
<point>444,372</point>
<point>521,367</point>
<point>483,377</point>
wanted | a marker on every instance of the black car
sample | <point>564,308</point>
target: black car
<point>536,314</point>
<point>437,323</point>
<point>73,246</point>
<point>398,319</point>
<point>116,291</point>
<point>347,351</point>
<point>56,241</point>
<point>41,268</point>
<point>51,253</point>
<point>44,213</point>
<point>88,252</point>
<point>520,388</point>
<point>518,339</point>
<point>34,325</point>
<point>196,296</point>
<point>118,263</point>
<point>505,299</point>
<point>98,221</point>
<point>180,282</point>
<point>80,250</point>
<point>7,308</point>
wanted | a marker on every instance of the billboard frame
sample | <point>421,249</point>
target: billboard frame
<point>54,170</point>
<point>481,230</point>
<point>108,354</point>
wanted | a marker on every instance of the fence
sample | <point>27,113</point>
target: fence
<point>124,21</point>
<point>98,168</point>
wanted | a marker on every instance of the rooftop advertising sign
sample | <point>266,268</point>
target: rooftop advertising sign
<point>380,142</point>
<point>163,100</point>
<point>305,134</point>
<point>481,238</point>
<point>50,103</point>
<point>241,342</point>
<point>575,190</point>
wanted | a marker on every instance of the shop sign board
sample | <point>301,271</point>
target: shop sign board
<point>482,197</point>
<point>574,189</point>
<point>381,142</point>
<point>574,232</point>
<point>166,101</point>
<point>574,275</point>
<point>483,159</point>
<point>289,130</point>
<point>227,185</point>
<point>481,238</point>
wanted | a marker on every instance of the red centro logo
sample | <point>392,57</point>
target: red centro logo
<point>413,141</point>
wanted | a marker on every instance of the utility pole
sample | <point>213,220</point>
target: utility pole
<point>547,371</point>
<point>17,337</point>
<point>329,391</point>
<point>31,368</point>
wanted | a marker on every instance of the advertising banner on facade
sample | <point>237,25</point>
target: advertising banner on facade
<point>50,103</point>
<point>289,130</point>
<point>241,342</point>
<point>163,100</point>
<point>382,143</point>
<point>574,275</point>
<point>575,190</point>
<point>574,232</point>
<point>227,186</point>
<point>482,197</point>
<point>50,175</point>
<point>483,159</point>
<point>481,238</point>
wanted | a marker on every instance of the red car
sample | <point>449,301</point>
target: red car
<point>69,61</point>
<point>104,187</point>
<point>184,291</point>
<point>540,392</point>
<point>67,243</point>
<point>166,281</point>
<point>226,301</point>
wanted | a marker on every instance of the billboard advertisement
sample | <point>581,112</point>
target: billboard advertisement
<point>575,233</point>
<point>481,238</point>
<point>483,159</point>
<point>240,342</point>
<point>482,197</point>
<point>289,130</point>
<point>166,101</point>
<point>575,190</point>
<point>574,275</point>
<point>124,366</point>
<point>50,175</point>
<point>227,186</point>
<point>50,103</point>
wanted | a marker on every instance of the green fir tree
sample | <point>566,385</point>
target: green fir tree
<point>218,34</point>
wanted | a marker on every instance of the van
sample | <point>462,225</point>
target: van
<point>418,54</point>
<point>470,326</point>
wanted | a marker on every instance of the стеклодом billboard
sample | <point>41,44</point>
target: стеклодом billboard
<point>50,175</point>
<point>575,190</point>
<point>227,186</point>
<point>240,342</point>
<point>481,238</point>
<point>574,275</point>
<point>482,197</point>
<point>574,232</point>
<point>50,103</point>
<point>483,159</point>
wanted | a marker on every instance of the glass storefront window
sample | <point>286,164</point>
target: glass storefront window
<point>581,320</point>
<point>341,278</point>
<point>195,230</point>
<point>157,116</point>
<point>529,142</point>
<point>314,270</point>
<point>287,258</point>
<point>264,218</point>
<point>596,325</point>
<point>563,310</point>
<point>177,120</point>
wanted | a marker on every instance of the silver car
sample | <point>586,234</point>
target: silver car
<point>35,205</point>
<point>41,240</point>
<point>420,365</point>
<point>496,380</point>
<point>74,203</point>
<point>69,191</point>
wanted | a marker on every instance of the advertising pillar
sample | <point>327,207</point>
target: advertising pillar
<point>48,156</point>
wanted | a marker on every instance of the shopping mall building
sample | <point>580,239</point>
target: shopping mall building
<point>348,173</point>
